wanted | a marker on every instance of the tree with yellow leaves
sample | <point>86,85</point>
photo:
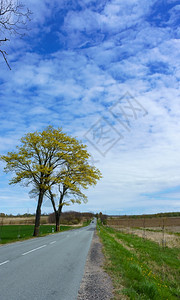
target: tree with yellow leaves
<point>74,177</point>
<point>41,161</point>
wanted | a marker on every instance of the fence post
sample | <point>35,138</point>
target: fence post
<point>163,234</point>
<point>144,229</point>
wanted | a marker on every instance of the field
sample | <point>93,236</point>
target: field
<point>165,231</point>
<point>67,218</point>
<point>144,222</point>
<point>12,233</point>
<point>21,220</point>
<point>140,268</point>
<point>163,238</point>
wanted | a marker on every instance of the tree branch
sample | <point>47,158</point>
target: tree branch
<point>4,56</point>
<point>13,20</point>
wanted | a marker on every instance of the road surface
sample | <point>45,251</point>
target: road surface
<point>49,267</point>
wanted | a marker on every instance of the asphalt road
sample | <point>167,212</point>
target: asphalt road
<point>49,267</point>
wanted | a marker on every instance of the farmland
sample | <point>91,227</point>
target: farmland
<point>67,218</point>
<point>15,228</point>
<point>12,233</point>
<point>22,220</point>
<point>140,268</point>
<point>144,222</point>
<point>165,231</point>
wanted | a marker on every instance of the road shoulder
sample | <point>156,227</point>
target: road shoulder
<point>96,284</point>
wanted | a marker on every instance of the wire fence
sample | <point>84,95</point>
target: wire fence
<point>148,228</point>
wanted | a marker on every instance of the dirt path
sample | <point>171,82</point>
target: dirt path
<point>96,284</point>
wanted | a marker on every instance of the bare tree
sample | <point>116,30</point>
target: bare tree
<point>13,21</point>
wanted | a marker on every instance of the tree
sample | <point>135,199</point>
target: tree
<point>103,218</point>
<point>38,161</point>
<point>13,21</point>
<point>74,176</point>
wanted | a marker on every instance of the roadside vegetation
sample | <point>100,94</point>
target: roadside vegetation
<point>140,269</point>
<point>15,228</point>
<point>13,233</point>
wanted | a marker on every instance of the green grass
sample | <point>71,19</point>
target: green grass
<point>86,223</point>
<point>142,267</point>
<point>159,230</point>
<point>12,233</point>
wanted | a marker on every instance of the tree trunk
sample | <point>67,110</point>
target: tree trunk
<point>38,214</point>
<point>58,215</point>
<point>57,218</point>
<point>57,221</point>
<point>57,212</point>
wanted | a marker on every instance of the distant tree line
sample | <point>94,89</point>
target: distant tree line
<point>71,217</point>
<point>158,215</point>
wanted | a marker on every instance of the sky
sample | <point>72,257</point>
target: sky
<point>108,73</point>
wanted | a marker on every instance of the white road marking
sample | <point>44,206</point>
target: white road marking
<point>34,249</point>
<point>4,262</point>
<point>52,242</point>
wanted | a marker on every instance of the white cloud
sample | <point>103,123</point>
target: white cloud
<point>108,49</point>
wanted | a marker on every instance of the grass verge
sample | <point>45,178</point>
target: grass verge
<point>140,269</point>
<point>12,233</point>
<point>86,223</point>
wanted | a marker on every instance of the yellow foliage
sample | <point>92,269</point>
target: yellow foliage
<point>50,158</point>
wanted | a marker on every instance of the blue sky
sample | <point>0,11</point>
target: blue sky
<point>108,73</point>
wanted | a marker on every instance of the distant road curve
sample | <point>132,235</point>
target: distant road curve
<point>49,267</point>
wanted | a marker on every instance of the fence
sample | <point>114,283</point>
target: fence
<point>157,225</point>
<point>144,222</point>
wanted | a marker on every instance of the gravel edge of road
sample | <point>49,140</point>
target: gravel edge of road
<point>96,283</point>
